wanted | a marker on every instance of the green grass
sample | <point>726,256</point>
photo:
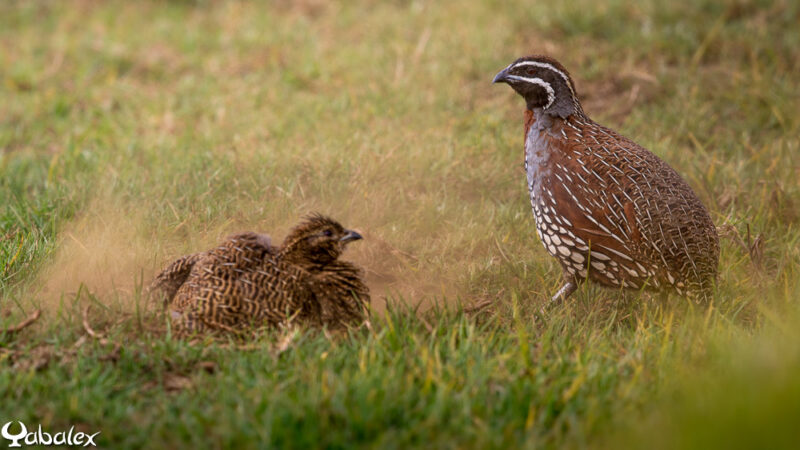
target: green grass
<point>132,132</point>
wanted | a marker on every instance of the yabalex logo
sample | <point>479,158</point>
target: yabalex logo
<point>68,438</point>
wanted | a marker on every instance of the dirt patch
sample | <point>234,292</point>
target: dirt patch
<point>103,250</point>
<point>112,253</point>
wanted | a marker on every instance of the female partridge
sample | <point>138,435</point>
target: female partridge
<point>605,207</point>
<point>246,281</point>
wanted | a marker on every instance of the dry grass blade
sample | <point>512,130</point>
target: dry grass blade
<point>25,323</point>
<point>366,312</point>
<point>478,307</point>
<point>753,247</point>
<point>174,382</point>
<point>35,359</point>
<point>393,249</point>
<point>368,324</point>
<point>425,323</point>
<point>286,340</point>
<point>500,249</point>
<point>86,326</point>
<point>95,335</point>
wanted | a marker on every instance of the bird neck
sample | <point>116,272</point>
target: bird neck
<point>542,119</point>
<point>300,259</point>
<point>564,107</point>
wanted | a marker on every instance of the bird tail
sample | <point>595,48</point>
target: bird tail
<point>167,283</point>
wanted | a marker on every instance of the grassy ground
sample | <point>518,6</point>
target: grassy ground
<point>133,132</point>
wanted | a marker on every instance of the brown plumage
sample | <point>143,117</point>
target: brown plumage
<point>245,281</point>
<point>172,277</point>
<point>608,209</point>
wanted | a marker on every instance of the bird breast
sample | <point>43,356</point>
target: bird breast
<point>538,152</point>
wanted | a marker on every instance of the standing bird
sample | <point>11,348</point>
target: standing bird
<point>605,207</point>
<point>246,281</point>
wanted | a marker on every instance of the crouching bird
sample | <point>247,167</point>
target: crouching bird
<point>609,210</point>
<point>247,282</point>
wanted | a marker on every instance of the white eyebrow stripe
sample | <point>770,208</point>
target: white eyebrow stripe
<point>547,66</point>
<point>551,94</point>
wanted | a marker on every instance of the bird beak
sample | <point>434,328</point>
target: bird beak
<point>350,236</point>
<point>501,77</point>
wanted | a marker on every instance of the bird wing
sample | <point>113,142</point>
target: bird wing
<point>597,202</point>
<point>214,291</point>
<point>341,293</point>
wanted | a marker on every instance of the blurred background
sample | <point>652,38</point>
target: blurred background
<point>135,132</point>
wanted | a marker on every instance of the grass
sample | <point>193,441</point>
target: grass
<point>134,132</point>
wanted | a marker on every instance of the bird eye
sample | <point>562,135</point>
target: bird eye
<point>530,71</point>
<point>327,233</point>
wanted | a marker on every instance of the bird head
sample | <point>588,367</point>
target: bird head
<point>317,241</point>
<point>544,84</point>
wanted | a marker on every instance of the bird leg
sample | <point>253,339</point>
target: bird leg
<point>566,290</point>
<point>570,286</point>
<point>571,283</point>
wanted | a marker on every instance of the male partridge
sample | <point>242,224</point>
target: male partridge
<point>245,282</point>
<point>608,209</point>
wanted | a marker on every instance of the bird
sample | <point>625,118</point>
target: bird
<point>246,282</point>
<point>608,209</point>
